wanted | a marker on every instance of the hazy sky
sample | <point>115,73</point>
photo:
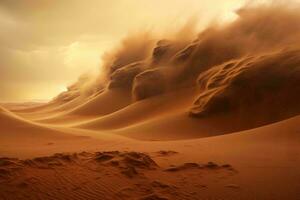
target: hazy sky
<point>46,44</point>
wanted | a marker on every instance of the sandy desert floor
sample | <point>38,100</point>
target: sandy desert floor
<point>66,160</point>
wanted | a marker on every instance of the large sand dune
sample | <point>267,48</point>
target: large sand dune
<point>104,103</point>
<point>208,116</point>
<point>148,109</point>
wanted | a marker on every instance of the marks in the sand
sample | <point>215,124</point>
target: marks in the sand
<point>105,175</point>
<point>232,186</point>
<point>4,173</point>
<point>166,153</point>
<point>153,197</point>
<point>159,184</point>
<point>8,167</point>
<point>4,161</point>
<point>208,166</point>
<point>149,190</point>
<point>48,162</point>
<point>128,162</point>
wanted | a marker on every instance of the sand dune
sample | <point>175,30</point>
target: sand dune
<point>237,95</point>
<point>209,116</point>
<point>105,103</point>
<point>140,111</point>
<point>14,128</point>
<point>38,108</point>
<point>81,106</point>
<point>179,126</point>
<point>59,109</point>
<point>57,105</point>
<point>172,170</point>
<point>21,105</point>
<point>254,85</point>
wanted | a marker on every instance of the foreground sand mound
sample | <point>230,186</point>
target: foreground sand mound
<point>101,175</point>
<point>260,89</point>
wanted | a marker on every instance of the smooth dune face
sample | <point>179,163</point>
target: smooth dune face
<point>17,130</point>
<point>208,115</point>
<point>140,111</point>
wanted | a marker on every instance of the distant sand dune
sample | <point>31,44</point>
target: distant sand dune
<point>137,112</point>
<point>15,128</point>
<point>105,103</point>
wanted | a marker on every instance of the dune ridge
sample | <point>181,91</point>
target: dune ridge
<point>246,73</point>
<point>14,128</point>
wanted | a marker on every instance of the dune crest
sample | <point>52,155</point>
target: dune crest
<point>14,128</point>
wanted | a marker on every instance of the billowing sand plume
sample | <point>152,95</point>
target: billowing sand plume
<point>263,88</point>
<point>253,52</point>
<point>152,82</point>
<point>123,77</point>
<point>274,28</point>
<point>133,48</point>
<point>241,68</point>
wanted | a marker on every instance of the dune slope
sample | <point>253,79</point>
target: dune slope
<point>104,103</point>
<point>16,129</point>
<point>140,111</point>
